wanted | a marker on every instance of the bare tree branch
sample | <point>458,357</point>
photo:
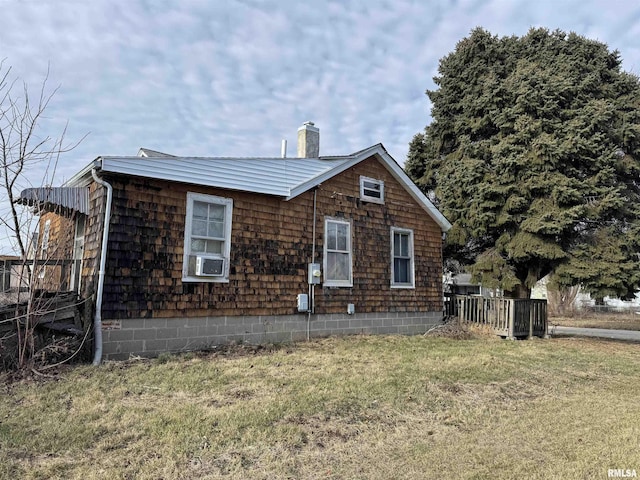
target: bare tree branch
<point>24,149</point>
<point>21,147</point>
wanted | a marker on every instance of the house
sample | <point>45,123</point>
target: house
<point>575,298</point>
<point>181,253</point>
<point>461,284</point>
<point>13,273</point>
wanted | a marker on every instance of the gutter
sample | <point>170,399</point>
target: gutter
<point>83,177</point>
<point>97,319</point>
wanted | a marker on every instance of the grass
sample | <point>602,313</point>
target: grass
<point>615,321</point>
<point>340,408</point>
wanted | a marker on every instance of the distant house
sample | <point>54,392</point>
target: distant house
<point>583,299</point>
<point>204,251</point>
<point>13,273</point>
<point>461,284</point>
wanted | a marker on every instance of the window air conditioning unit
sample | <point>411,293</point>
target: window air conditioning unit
<point>209,267</point>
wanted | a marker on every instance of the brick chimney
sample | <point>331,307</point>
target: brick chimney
<point>308,141</point>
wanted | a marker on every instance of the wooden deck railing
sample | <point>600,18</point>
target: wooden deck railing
<point>57,274</point>
<point>508,317</point>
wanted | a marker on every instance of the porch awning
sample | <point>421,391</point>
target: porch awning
<point>51,199</point>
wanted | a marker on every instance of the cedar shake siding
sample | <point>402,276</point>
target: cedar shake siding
<point>271,245</point>
<point>53,267</point>
<point>93,239</point>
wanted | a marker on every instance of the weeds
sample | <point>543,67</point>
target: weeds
<point>358,407</point>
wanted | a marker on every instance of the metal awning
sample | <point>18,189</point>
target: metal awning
<point>50,199</point>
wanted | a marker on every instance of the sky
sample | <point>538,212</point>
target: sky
<point>235,77</point>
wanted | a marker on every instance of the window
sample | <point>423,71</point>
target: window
<point>5,275</point>
<point>337,253</point>
<point>402,258</point>
<point>371,190</point>
<point>44,246</point>
<point>78,249</point>
<point>207,238</point>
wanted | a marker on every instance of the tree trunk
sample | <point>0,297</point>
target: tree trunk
<point>562,300</point>
<point>520,291</point>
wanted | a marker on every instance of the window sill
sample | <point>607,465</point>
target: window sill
<point>205,279</point>
<point>337,285</point>
<point>372,200</point>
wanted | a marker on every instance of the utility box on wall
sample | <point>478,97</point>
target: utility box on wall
<point>303,302</point>
<point>314,274</point>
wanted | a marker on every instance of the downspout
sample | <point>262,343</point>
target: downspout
<point>97,319</point>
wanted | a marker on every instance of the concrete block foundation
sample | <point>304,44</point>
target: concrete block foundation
<point>150,337</point>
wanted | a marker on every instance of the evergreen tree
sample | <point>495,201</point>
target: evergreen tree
<point>533,154</point>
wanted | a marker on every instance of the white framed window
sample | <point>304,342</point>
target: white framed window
<point>371,190</point>
<point>207,238</point>
<point>337,265</point>
<point>78,250</point>
<point>44,246</point>
<point>402,270</point>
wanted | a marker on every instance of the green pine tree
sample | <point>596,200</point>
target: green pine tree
<point>533,155</point>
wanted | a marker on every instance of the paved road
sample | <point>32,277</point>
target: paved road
<point>596,332</point>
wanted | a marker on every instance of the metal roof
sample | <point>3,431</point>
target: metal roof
<point>283,177</point>
<point>271,176</point>
<point>147,152</point>
<point>52,198</point>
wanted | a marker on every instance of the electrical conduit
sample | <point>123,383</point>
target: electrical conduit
<point>312,292</point>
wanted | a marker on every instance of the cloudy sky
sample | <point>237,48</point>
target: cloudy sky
<point>235,77</point>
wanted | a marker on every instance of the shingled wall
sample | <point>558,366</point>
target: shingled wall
<point>54,262</point>
<point>147,308</point>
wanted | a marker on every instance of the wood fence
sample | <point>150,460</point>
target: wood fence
<point>508,317</point>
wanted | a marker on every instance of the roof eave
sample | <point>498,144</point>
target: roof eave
<point>318,179</point>
<point>351,160</point>
<point>414,191</point>
<point>83,177</point>
<point>398,173</point>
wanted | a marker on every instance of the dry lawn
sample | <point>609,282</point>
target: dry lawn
<point>615,321</point>
<point>340,408</point>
